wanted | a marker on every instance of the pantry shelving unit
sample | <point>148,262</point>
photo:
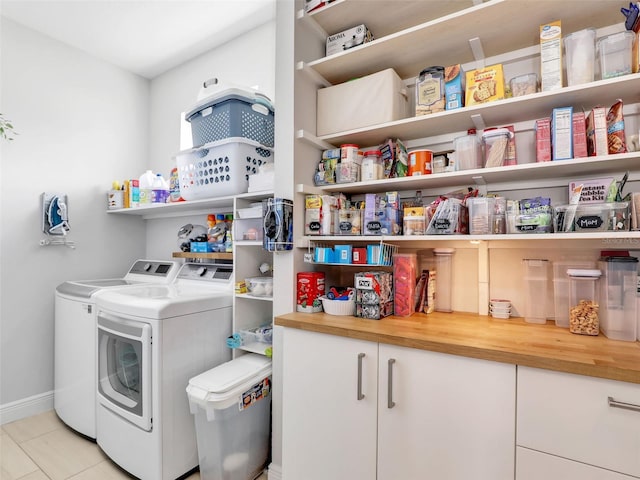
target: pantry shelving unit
<point>248,311</point>
<point>409,37</point>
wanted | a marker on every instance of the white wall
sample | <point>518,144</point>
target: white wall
<point>82,123</point>
<point>246,60</point>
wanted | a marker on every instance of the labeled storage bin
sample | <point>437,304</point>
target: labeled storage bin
<point>232,112</point>
<point>618,288</point>
<point>592,217</point>
<point>377,98</point>
<point>535,290</point>
<point>231,404</point>
<point>584,317</point>
<point>221,168</point>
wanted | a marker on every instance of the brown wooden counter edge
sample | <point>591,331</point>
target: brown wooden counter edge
<point>510,341</point>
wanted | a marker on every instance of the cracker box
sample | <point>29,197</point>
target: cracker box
<point>551,55</point>
<point>562,133</point>
<point>543,140</point>
<point>453,87</point>
<point>374,294</point>
<point>484,85</point>
<point>596,126</point>
<point>579,135</point>
<point>347,39</point>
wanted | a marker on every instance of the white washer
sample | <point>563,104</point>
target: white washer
<point>151,341</point>
<point>75,356</point>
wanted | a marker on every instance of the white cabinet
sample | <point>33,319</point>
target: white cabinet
<point>532,465</point>
<point>422,414</point>
<point>329,424</point>
<point>589,420</point>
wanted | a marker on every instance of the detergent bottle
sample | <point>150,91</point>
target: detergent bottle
<point>160,192</point>
<point>146,187</point>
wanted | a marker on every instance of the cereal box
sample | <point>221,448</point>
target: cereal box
<point>551,55</point>
<point>484,85</point>
<point>453,87</point>
<point>543,140</point>
<point>579,135</point>
<point>596,126</point>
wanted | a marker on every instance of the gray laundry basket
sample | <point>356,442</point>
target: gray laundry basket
<point>232,113</point>
<point>231,404</point>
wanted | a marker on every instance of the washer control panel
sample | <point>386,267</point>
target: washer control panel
<point>207,272</point>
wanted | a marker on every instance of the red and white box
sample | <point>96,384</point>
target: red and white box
<point>596,126</point>
<point>543,140</point>
<point>579,135</point>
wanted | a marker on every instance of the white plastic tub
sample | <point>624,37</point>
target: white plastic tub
<point>231,405</point>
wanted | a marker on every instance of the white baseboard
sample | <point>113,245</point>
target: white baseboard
<point>26,407</point>
<point>275,472</point>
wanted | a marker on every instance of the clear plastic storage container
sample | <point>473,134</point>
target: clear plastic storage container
<point>618,297</point>
<point>615,54</point>
<point>495,142</point>
<point>584,318</point>
<point>535,290</point>
<point>561,287</point>
<point>580,49</point>
<point>468,153</point>
<point>444,278</point>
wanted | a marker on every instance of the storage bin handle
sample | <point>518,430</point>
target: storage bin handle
<point>626,406</point>
<point>360,394</point>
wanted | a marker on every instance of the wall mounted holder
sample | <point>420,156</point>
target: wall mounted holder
<point>55,219</point>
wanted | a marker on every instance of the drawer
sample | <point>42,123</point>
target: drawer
<point>532,465</point>
<point>570,416</point>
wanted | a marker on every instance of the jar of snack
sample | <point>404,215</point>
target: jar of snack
<point>430,94</point>
<point>583,301</point>
<point>372,167</point>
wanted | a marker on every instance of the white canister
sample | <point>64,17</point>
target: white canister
<point>371,167</point>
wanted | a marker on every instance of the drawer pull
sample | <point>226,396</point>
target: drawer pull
<point>626,406</point>
<point>390,402</point>
<point>360,394</point>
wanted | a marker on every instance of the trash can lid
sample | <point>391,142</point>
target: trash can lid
<point>230,378</point>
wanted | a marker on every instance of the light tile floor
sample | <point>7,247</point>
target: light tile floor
<point>43,448</point>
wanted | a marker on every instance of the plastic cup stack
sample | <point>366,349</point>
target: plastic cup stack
<point>500,308</point>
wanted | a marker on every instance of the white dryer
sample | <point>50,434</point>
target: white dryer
<point>151,341</point>
<point>75,340</point>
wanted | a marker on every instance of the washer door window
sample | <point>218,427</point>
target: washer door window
<point>124,368</point>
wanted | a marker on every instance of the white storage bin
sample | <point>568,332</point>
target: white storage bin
<point>220,168</point>
<point>231,405</point>
<point>377,98</point>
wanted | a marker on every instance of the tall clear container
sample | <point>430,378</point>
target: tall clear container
<point>535,289</point>
<point>561,287</point>
<point>618,297</point>
<point>443,258</point>
<point>580,49</point>
<point>467,151</point>
<point>584,306</point>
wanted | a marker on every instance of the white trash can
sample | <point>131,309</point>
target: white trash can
<point>231,404</point>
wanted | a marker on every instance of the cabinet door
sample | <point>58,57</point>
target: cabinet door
<point>571,416</point>
<point>328,432</point>
<point>532,465</point>
<point>453,417</point>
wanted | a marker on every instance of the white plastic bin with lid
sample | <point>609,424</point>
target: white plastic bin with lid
<point>535,283</point>
<point>231,404</point>
<point>618,297</point>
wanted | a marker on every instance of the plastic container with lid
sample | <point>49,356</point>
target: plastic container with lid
<point>444,278</point>
<point>614,52</point>
<point>583,301</point>
<point>580,49</point>
<point>231,404</point>
<point>372,167</point>
<point>160,189</point>
<point>495,142</point>
<point>420,162</point>
<point>618,297</point>
<point>524,84</point>
<point>561,287</point>
<point>535,283</point>
<point>467,148</point>
<point>430,93</point>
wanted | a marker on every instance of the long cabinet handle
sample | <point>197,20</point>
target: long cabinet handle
<point>390,402</point>
<point>627,406</point>
<point>360,394</point>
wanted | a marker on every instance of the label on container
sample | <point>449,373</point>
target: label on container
<point>255,394</point>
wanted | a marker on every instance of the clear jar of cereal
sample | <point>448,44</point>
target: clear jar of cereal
<point>584,305</point>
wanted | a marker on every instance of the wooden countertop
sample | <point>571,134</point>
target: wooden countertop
<point>509,341</point>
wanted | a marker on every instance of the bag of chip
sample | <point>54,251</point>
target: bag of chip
<point>615,129</point>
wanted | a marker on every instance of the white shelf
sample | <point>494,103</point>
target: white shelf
<point>192,207</point>
<point>408,46</point>
<point>247,243</point>
<point>254,297</point>
<point>502,112</point>
<point>547,174</point>
<point>255,347</point>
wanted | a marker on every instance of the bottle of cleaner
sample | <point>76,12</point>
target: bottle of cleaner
<point>160,192</point>
<point>174,186</point>
<point>146,187</point>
